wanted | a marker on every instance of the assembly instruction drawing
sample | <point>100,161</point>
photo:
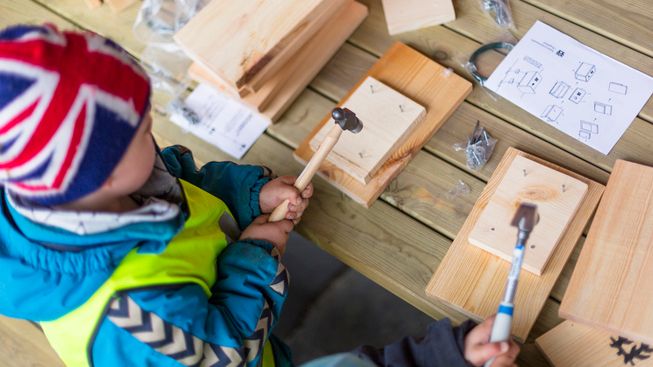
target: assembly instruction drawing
<point>619,88</point>
<point>551,113</point>
<point>577,95</point>
<point>603,108</point>
<point>587,129</point>
<point>585,71</point>
<point>561,81</point>
<point>559,89</point>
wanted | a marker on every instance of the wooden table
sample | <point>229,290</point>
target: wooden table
<point>400,240</point>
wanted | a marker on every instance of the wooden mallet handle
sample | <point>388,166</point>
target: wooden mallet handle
<point>309,171</point>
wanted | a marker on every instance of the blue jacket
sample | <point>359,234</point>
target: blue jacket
<point>45,272</point>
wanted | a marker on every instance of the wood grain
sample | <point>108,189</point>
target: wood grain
<point>24,344</point>
<point>452,49</point>
<point>409,15</point>
<point>627,22</point>
<point>421,80</point>
<point>119,5</point>
<point>473,281</point>
<point>240,40</point>
<point>575,345</point>
<point>557,197</point>
<point>92,4</point>
<point>388,119</point>
<point>275,96</point>
<point>611,286</point>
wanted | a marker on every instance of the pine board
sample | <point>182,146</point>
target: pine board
<point>611,285</point>
<point>473,280</point>
<point>281,90</point>
<point>388,119</point>
<point>575,345</point>
<point>92,4</point>
<point>119,5</point>
<point>418,78</point>
<point>409,15</point>
<point>22,343</point>
<point>557,197</point>
<point>240,39</point>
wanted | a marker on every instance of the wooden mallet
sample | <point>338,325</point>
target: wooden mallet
<point>345,120</point>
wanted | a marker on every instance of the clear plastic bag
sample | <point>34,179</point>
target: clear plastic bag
<point>159,20</point>
<point>500,11</point>
<point>479,147</point>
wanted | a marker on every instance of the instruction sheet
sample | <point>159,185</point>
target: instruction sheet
<point>228,124</point>
<point>583,93</point>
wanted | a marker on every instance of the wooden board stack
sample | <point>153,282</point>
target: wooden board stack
<point>409,80</point>
<point>266,52</point>
<point>472,280</point>
<point>610,294</point>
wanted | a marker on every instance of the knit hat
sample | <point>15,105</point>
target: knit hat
<point>70,104</point>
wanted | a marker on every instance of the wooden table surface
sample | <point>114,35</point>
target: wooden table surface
<point>400,240</point>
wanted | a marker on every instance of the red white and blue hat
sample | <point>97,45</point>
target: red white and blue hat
<point>70,104</point>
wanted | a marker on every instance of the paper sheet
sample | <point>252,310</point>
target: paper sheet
<point>228,124</point>
<point>583,93</point>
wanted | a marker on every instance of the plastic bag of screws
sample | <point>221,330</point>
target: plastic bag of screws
<point>500,11</point>
<point>479,147</point>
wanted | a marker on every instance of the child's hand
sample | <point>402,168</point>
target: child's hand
<point>276,191</point>
<point>275,232</point>
<point>478,350</point>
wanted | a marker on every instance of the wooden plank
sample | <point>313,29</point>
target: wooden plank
<point>119,5</point>
<point>388,117</point>
<point>611,286</point>
<point>423,81</point>
<point>24,344</point>
<point>557,197</point>
<point>575,345</point>
<point>93,4</point>
<point>281,90</point>
<point>473,280</point>
<point>627,22</point>
<point>453,50</point>
<point>250,36</point>
<point>409,15</point>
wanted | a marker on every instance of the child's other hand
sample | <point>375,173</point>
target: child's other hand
<point>478,350</point>
<point>276,191</point>
<point>275,232</point>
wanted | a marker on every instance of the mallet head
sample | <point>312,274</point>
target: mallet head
<point>347,120</point>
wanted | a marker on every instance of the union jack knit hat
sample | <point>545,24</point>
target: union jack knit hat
<point>70,104</point>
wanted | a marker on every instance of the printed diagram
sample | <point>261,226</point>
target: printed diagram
<point>551,113</point>
<point>618,88</point>
<point>585,71</point>
<point>603,108</point>
<point>529,82</point>
<point>635,354</point>
<point>559,89</point>
<point>577,95</point>
<point>587,129</point>
<point>532,61</point>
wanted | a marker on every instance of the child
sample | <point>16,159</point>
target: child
<point>128,257</point>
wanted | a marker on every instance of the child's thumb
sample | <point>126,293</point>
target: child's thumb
<point>488,351</point>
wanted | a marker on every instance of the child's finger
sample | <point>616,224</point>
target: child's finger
<point>485,352</point>
<point>288,180</point>
<point>261,219</point>
<point>308,191</point>
<point>507,359</point>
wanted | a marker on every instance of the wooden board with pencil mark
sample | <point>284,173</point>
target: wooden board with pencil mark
<point>473,280</point>
<point>418,78</point>
<point>575,345</point>
<point>557,197</point>
<point>388,119</point>
<point>611,286</point>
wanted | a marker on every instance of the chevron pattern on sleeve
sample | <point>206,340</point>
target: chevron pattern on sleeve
<point>169,339</point>
<point>282,278</point>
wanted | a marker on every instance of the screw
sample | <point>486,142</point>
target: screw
<point>524,172</point>
<point>564,187</point>
<point>371,89</point>
<point>401,108</point>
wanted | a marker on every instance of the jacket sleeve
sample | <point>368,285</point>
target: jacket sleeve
<point>238,186</point>
<point>181,325</point>
<point>442,346</point>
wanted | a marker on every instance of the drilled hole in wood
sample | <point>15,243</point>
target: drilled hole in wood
<point>492,229</point>
<point>532,246</point>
